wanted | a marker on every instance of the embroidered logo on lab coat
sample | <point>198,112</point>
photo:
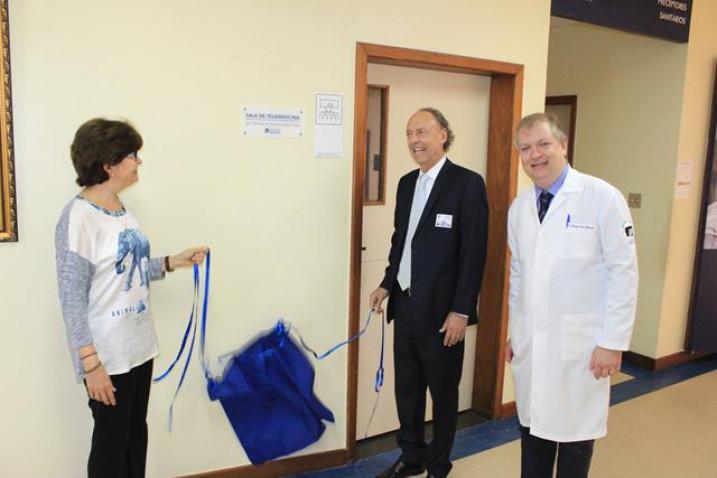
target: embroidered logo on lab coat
<point>569,223</point>
<point>629,230</point>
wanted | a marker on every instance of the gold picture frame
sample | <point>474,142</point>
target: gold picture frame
<point>8,207</point>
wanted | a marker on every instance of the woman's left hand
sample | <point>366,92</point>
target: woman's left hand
<point>189,257</point>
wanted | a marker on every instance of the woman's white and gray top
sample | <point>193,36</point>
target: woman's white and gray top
<point>103,275</point>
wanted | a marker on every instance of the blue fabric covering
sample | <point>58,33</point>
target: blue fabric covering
<point>266,389</point>
<point>267,394</point>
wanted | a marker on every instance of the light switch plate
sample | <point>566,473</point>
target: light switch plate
<point>634,200</point>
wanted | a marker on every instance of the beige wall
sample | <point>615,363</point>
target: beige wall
<point>630,93</point>
<point>277,219</point>
<point>693,134</point>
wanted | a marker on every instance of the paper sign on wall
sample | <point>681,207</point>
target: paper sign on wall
<point>684,179</point>
<point>272,122</point>
<point>328,136</point>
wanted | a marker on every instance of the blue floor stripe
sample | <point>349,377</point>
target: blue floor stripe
<point>647,381</point>
<point>485,436</point>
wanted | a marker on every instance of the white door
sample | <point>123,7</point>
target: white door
<point>464,100</point>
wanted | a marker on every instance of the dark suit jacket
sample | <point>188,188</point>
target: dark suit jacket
<point>446,263</point>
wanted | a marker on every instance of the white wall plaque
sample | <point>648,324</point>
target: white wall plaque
<point>264,122</point>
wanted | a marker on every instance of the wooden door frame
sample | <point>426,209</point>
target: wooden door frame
<point>572,102</point>
<point>506,92</point>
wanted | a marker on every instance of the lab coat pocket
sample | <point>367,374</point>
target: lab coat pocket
<point>579,336</point>
<point>581,240</point>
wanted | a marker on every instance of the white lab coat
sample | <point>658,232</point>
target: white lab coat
<point>573,285</point>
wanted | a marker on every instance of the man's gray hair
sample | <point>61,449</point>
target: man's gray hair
<point>556,129</point>
<point>443,122</point>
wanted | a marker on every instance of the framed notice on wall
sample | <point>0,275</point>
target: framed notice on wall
<point>702,324</point>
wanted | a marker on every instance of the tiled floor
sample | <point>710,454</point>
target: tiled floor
<point>642,426</point>
<point>668,433</point>
<point>387,442</point>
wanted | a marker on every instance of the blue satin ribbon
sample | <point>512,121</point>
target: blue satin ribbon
<point>191,326</point>
<point>378,382</point>
<point>205,306</point>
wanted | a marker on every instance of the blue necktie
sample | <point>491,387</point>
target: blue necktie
<point>543,204</point>
<point>419,202</point>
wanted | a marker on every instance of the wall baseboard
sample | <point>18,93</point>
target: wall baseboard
<point>287,466</point>
<point>661,363</point>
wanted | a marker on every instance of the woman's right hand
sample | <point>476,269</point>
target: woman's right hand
<point>188,258</point>
<point>99,386</point>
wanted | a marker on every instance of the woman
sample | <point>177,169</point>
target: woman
<point>103,274</point>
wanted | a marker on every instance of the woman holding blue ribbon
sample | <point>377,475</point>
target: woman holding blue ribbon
<point>104,269</point>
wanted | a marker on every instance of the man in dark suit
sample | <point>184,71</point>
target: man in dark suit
<point>432,280</point>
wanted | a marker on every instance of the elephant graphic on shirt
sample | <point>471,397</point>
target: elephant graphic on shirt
<point>132,242</point>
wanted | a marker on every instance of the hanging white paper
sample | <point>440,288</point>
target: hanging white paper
<point>328,136</point>
<point>684,179</point>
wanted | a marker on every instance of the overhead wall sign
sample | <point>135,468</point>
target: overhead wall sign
<point>667,19</point>
<point>273,123</point>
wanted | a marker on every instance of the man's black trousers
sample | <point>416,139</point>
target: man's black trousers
<point>422,361</point>
<point>538,457</point>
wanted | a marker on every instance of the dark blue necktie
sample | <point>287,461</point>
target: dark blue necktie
<point>543,204</point>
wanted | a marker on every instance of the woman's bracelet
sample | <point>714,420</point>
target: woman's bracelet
<point>88,355</point>
<point>166,264</point>
<point>92,369</point>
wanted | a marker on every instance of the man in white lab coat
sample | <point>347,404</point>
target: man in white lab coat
<point>573,289</point>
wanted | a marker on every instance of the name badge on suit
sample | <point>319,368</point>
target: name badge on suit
<point>444,221</point>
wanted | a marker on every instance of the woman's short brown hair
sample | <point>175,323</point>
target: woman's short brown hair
<point>99,142</point>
